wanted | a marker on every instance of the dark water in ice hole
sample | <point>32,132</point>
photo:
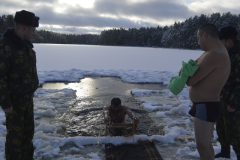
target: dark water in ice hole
<point>85,117</point>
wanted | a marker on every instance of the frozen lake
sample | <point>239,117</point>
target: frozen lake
<point>83,79</point>
<point>86,57</point>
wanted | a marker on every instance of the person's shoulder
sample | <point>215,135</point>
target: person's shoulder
<point>4,43</point>
<point>106,107</point>
<point>124,106</point>
<point>221,50</point>
<point>5,48</point>
<point>217,57</point>
<point>209,55</point>
<point>220,53</point>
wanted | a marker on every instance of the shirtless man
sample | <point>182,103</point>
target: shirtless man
<point>116,113</point>
<point>205,87</point>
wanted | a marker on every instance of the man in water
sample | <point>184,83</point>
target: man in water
<point>205,87</point>
<point>228,125</point>
<point>116,113</point>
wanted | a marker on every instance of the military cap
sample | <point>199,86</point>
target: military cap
<point>227,32</point>
<point>26,18</point>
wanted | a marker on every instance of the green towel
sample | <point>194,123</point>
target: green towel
<point>177,84</point>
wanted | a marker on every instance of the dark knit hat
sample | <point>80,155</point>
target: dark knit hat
<point>227,32</point>
<point>26,18</point>
<point>115,101</point>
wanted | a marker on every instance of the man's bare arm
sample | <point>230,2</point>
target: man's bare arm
<point>197,59</point>
<point>106,115</point>
<point>132,115</point>
<point>206,66</point>
<point>179,73</point>
<point>105,111</point>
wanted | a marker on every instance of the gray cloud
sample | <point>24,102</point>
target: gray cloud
<point>47,16</point>
<point>90,17</point>
<point>149,13</point>
<point>157,10</point>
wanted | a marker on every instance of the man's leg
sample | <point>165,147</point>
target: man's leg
<point>28,132</point>
<point>232,125</point>
<point>203,134</point>
<point>14,125</point>
<point>222,137</point>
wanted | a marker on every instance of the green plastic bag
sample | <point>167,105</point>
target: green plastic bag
<point>177,84</point>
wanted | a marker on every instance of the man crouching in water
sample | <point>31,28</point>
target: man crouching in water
<point>116,113</point>
<point>206,85</point>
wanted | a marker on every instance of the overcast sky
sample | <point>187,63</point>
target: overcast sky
<point>93,16</point>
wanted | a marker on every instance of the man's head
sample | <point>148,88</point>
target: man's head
<point>26,23</point>
<point>228,36</point>
<point>206,32</point>
<point>115,103</point>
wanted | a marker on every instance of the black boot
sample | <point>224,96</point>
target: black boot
<point>225,153</point>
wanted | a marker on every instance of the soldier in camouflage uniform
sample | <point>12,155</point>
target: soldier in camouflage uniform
<point>228,125</point>
<point>18,82</point>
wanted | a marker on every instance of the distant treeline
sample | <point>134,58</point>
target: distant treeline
<point>43,36</point>
<point>179,35</point>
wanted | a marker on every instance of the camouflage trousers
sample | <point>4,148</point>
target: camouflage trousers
<point>20,131</point>
<point>228,129</point>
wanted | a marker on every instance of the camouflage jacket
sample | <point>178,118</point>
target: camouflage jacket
<point>18,73</point>
<point>231,91</point>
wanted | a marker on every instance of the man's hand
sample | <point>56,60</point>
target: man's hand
<point>8,110</point>
<point>230,109</point>
<point>136,119</point>
<point>107,119</point>
<point>181,71</point>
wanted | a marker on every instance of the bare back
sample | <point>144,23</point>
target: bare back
<point>208,81</point>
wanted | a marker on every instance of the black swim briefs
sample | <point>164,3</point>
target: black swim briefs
<point>207,111</point>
